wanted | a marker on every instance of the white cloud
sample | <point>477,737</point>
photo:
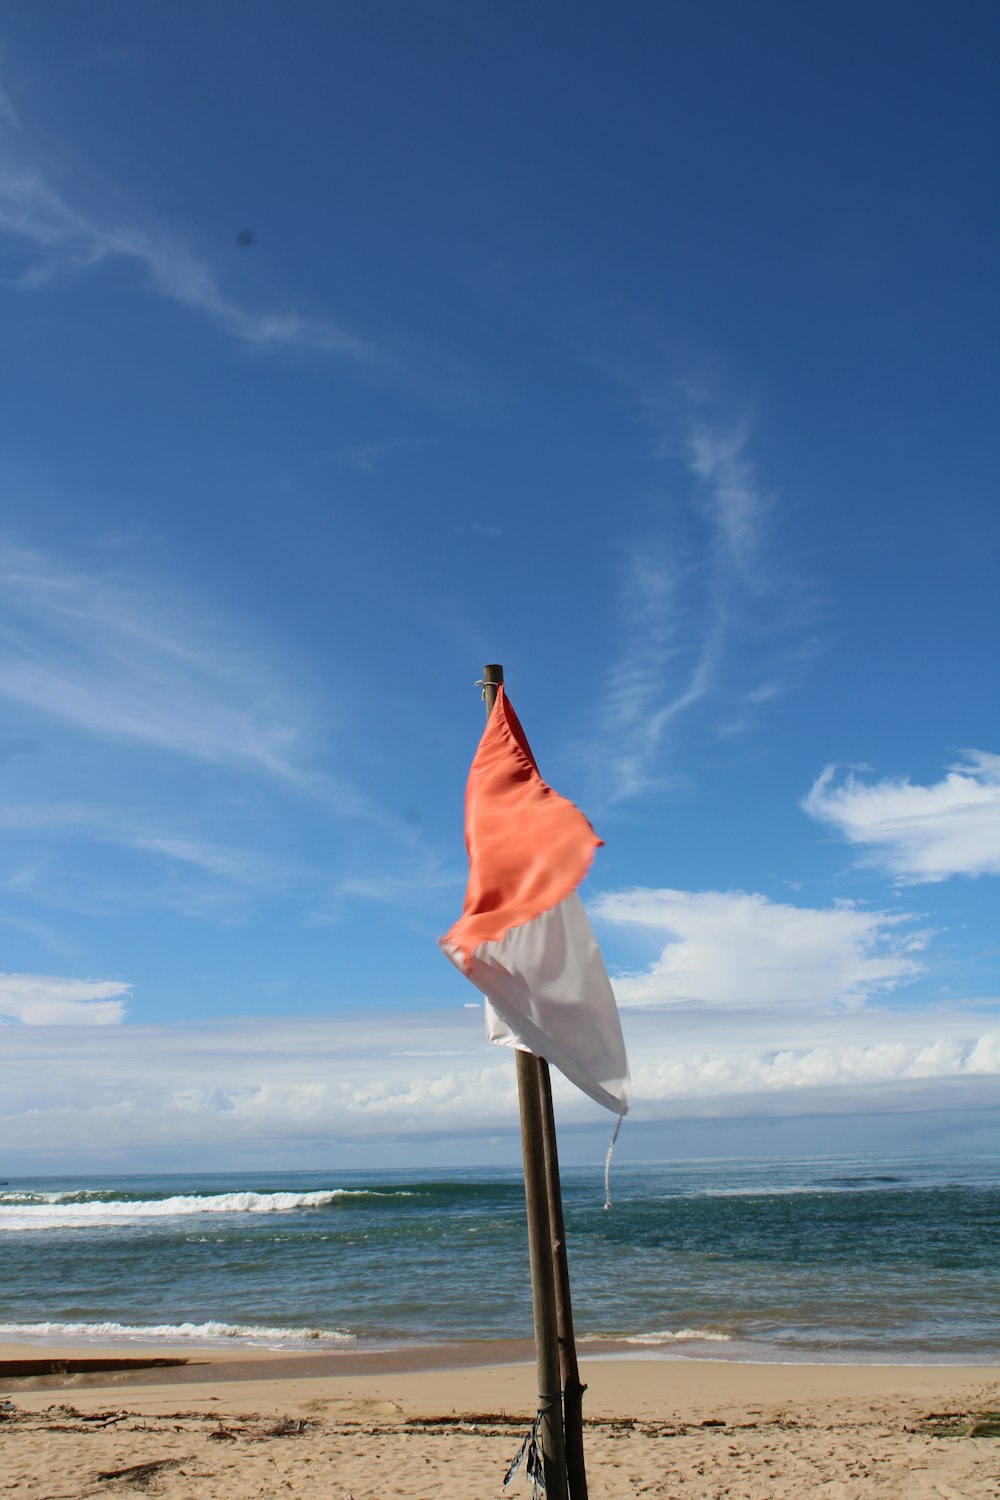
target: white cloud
<point>49,1000</point>
<point>272,1084</point>
<point>739,948</point>
<point>61,228</point>
<point>919,833</point>
<point>830,1062</point>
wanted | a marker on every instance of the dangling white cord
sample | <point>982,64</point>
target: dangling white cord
<point>607,1165</point>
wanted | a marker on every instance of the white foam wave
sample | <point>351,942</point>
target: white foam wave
<point>175,1333</point>
<point>791,1190</point>
<point>759,1192</point>
<point>681,1335</point>
<point>67,1195</point>
<point>58,1214</point>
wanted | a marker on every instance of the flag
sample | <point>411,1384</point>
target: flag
<point>524,938</point>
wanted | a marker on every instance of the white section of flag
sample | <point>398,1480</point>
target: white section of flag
<point>547,991</point>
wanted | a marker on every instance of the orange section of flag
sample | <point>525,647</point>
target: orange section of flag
<point>528,847</point>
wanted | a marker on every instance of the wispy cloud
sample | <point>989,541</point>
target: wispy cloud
<point>128,658</point>
<point>484,531</point>
<point>691,584</point>
<point>372,458</point>
<point>239,865</point>
<point>766,692</point>
<point>59,219</point>
<point>427,873</point>
<point>49,1000</point>
<point>667,665</point>
<point>11,749</point>
<point>41,932</point>
<point>732,495</point>
<point>120,657</point>
<point>183,869</point>
<point>8,114</point>
<point>738,948</point>
<point>112,659</point>
<point>919,833</point>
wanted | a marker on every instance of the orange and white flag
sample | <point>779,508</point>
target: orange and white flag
<point>524,938</point>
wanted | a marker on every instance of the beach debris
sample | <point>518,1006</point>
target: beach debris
<point>289,1427</point>
<point>97,1419</point>
<point>256,1432</point>
<point>140,1476</point>
<point>946,1424</point>
<point>87,1421</point>
<point>473,1420</point>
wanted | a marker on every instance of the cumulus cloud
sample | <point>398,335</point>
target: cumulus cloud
<point>49,1000</point>
<point>919,833</point>
<point>851,1065</point>
<point>739,948</point>
<point>263,1079</point>
<point>275,1083</point>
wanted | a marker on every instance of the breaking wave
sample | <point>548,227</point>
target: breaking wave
<point>662,1336</point>
<point>175,1333</point>
<point>64,1210</point>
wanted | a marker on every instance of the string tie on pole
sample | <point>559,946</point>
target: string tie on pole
<point>530,1454</point>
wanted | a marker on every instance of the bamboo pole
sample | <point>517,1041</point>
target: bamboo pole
<point>576,1467</point>
<point>540,1237</point>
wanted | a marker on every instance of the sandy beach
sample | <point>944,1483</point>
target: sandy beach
<point>247,1423</point>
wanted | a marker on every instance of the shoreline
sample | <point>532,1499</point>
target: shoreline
<point>31,1366</point>
<point>359,1356</point>
<point>511,1362</point>
<point>416,1355</point>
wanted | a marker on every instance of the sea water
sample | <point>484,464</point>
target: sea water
<point>860,1259</point>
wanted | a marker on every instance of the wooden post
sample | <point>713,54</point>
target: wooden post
<point>540,1237</point>
<point>576,1468</point>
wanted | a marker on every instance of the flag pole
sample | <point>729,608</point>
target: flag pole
<point>540,1235</point>
<point>573,1389</point>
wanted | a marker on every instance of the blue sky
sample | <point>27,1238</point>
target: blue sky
<point>650,351</point>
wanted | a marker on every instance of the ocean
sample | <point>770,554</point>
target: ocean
<point>861,1259</point>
